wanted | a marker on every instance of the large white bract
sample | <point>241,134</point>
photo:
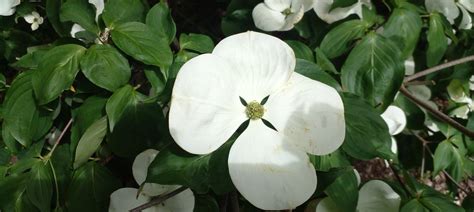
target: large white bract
<point>450,9</point>
<point>396,121</point>
<point>125,199</point>
<point>271,169</point>
<point>374,196</point>
<point>280,15</point>
<point>324,12</point>
<point>7,7</point>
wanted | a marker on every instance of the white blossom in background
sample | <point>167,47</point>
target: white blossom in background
<point>396,121</point>
<point>215,93</point>
<point>459,93</point>
<point>34,19</point>
<point>324,12</point>
<point>450,9</point>
<point>280,15</point>
<point>374,196</point>
<point>99,6</point>
<point>7,7</point>
<point>125,199</point>
<point>409,66</point>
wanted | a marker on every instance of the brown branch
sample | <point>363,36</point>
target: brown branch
<point>159,199</point>
<point>438,114</point>
<point>439,68</point>
<point>56,143</point>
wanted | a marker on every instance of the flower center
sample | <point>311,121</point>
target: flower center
<point>287,12</point>
<point>254,110</point>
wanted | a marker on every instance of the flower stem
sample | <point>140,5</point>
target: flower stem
<point>437,113</point>
<point>159,199</point>
<point>439,68</point>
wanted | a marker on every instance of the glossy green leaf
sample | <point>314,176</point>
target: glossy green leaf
<point>314,72</point>
<point>39,188</point>
<point>90,141</point>
<point>140,42</point>
<point>104,66</point>
<point>437,40</point>
<point>326,162</point>
<point>79,12</point>
<point>159,20</point>
<point>141,126</point>
<point>374,70</point>
<point>219,177</point>
<point>12,187</point>
<point>23,118</point>
<point>447,156</point>
<point>53,8</point>
<point>57,73</point>
<point>196,42</point>
<point>324,62</point>
<point>121,11</point>
<point>119,101</point>
<point>367,134</point>
<point>175,166</point>
<point>345,191</point>
<point>90,188</point>
<point>404,27</point>
<point>340,39</point>
<point>302,51</point>
<point>84,116</point>
<point>205,203</point>
<point>341,3</point>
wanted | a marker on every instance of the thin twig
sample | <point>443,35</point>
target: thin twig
<point>56,143</point>
<point>439,68</point>
<point>234,202</point>
<point>159,199</point>
<point>425,146</point>
<point>438,114</point>
<point>399,179</point>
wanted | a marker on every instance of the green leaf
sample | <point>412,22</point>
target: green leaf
<point>57,73</point>
<point>52,12</point>
<point>468,202</point>
<point>119,101</point>
<point>61,161</point>
<point>314,72</point>
<point>341,3</point>
<point>90,141</point>
<point>205,203</point>
<point>121,11</point>
<point>367,134</point>
<point>12,187</point>
<point>437,40</point>
<point>219,177</point>
<point>90,188</point>
<point>175,166</point>
<point>156,79</point>
<point>413,206</point>
<point>141,126</point>
<point>84,116</point>
<point>140,42</point>
<point>344,190</point>
<point>39,188</point>
<point>23,119</point>
<point>404,27</point>
<point>160,21</point>
<point>196,42</point>
<point>374,70</point>
<point>447,156</point>
<point>302,51</point>
<point>324,62</point>
<point>326,162</point>
<point>104,66</point>
<point>79,12</point>
<point>340,39</point>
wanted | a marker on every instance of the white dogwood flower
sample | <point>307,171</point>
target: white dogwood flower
<point>374,196</point>
<point>280,15</point>
<point>250,77</point>
<point>7,7</point>
<point>34,19</point>
<point>450,9</point>
<point>324,12</point>
<point>125,199</point>
<point>396,121</point>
